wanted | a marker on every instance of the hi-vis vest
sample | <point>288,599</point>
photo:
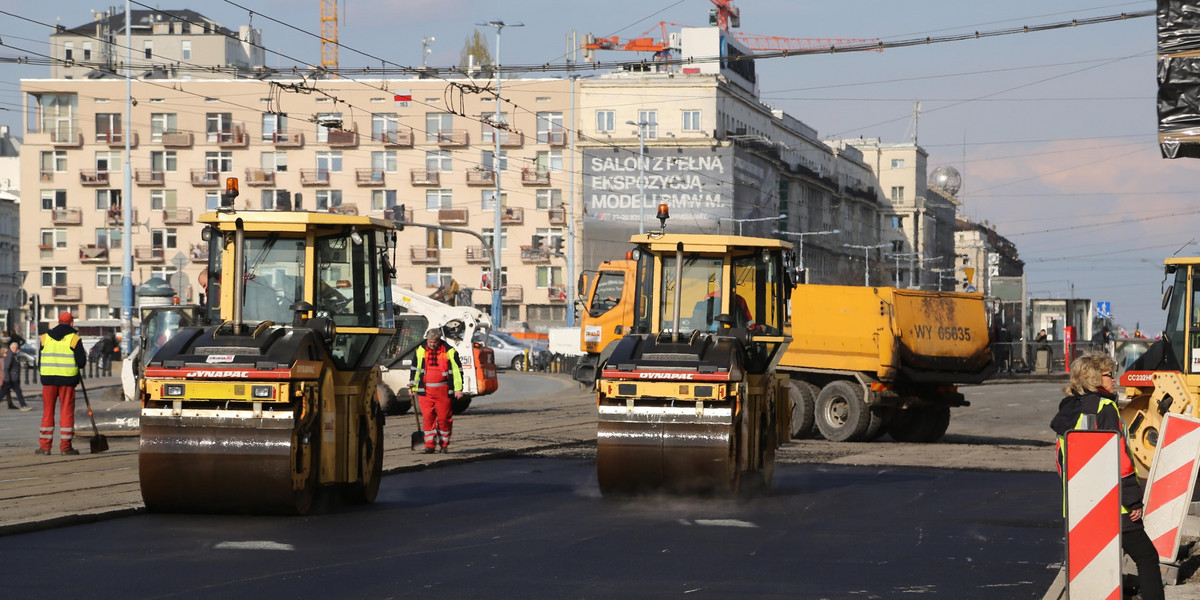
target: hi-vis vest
<point>1127,466</point>
<point>58,356</point>
<point>455,380</point>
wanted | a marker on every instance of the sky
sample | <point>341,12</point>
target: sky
<point>1053,132</point>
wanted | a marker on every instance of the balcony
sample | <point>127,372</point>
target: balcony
<point>453,138</point>
<point>93,177</point>
<point>114,216</point>
<point>512,215</point>
<point>116,139</point>
<point>368,177</point>
<point>452,216</point>
<point>66,139</point>
<point>531,255</point>
<point>177,216</point>
<point>511,294</point>
<point>389,214</point>
<point>556,293</point>
<point>401,138</point>
<point>177,139</point>
<point>283,139</point>
<point>260,177</point>
<point>204,177</point>
<point>93,254</point>
<point>148,177</point>
<point>512,139</point>
<point>342,138</point>
<point>233,138</point>
<point>478,255</point>
<point>535,176</point>
<point>67,216</point>
<point>314,176</point>
<point>558,215</point>
<point>199,252</point>
<point>556,138</point>
<point>148,254</point>
<point>426,255</point>
<point>72,292</point>
<point>344,209</point>
<point>479,176</point>
<point>425,177</point>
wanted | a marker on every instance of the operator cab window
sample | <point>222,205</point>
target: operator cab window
<point>274,278</point>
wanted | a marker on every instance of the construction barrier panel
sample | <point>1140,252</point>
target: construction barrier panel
<point>1093,514</point>
<point>1172,478</point>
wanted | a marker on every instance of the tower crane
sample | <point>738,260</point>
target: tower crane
<point>329,37</point>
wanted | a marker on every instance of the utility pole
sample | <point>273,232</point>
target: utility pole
<point>127,201</point>
<point>574,79</point>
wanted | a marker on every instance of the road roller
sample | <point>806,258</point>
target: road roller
<point>689,400</point>
<point>275,399</point>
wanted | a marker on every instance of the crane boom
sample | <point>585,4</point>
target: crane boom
<point>329,36</point>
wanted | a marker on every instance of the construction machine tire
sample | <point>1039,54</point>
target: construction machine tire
<point>370,457</point>
<point>392,405</point>
<point>841,414</point>
<point>919,424</point>
<point>759,480</point>
<point>803,396</point>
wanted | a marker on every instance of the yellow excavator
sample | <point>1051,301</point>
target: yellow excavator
<point>276,399</point>
<point>1166,378</point>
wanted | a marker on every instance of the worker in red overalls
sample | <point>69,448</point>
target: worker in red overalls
<point>437,372</point>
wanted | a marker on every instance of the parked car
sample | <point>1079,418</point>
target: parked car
<point>510,352</point>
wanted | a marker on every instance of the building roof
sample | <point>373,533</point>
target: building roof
<point>144,19</point>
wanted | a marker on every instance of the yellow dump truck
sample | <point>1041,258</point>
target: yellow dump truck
<point>865,361</point>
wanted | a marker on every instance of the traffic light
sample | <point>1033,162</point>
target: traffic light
<point>537,242</point>
<point>398,216</point>
<point>558,244</point>
<point>35,307</point>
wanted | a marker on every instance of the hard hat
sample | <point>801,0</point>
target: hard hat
<point>65,318</point>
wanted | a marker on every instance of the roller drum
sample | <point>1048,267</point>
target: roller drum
<point>223,465</point>
<point>647,453</point>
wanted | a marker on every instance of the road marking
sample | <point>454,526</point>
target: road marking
<point>719,523</point>
<point>253,545</point>
<point>17,479</point>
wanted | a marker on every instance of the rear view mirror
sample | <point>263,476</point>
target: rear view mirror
<point>1167,296</point>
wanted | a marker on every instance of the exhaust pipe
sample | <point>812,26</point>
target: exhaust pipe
<point>239,269</point>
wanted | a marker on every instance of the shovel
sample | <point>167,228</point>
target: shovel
<point>418,436</point>
<point>99,443</point>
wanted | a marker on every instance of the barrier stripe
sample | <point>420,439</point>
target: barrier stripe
<point>1172,477</point>
<point>1093,515</point>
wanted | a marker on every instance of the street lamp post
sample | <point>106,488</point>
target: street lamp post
<point>497,280</point>
<point>866,260</point>
<point>641,125</point>
<point>800,245</point>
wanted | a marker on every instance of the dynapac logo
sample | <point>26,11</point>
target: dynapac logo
<point>687,376</point>
<point>216,373</point>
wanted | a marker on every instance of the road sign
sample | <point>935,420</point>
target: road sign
<point>402,98</point>
<point>180,260</point>
<point>970,272</point>
<point>1104,310</point>
<point>970,289</point>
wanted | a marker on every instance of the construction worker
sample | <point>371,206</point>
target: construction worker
<point>62,356</point>
<point>1090,394</point>
<point>437,372</point>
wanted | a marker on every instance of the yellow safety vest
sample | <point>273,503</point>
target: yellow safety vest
<point>58,356</point>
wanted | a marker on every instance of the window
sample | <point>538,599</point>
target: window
<point>489,236</point>
<point>489,196</point>
<point>163,238</point>
<point>54,276</point>
<point>271,199</point>
<point>551,237</point>
<point>212,200</point>
<point>897,222</point>
<point>897,163</point>
<point>436,123</point>
<point>219,127</point>
<point>163,160</point>
<point>148,49</point>
<point>548,276</point>
<point>159,123</point>
<point>547,199</point>
<point>439,161</point>
<point>437,238</point>
<point>488,130</point>
<point>55,237</point>
<point>108,127</point>
<point>106,276</point>
<point>218,162</point>
<point>54,161</point>
<point>438,276</point>
<point>383,161</point>
<point>550,128</point>
<point>437,199</point>
<point>604,121</point>
<point>551,161</point>
<point>108,200</point>
<point>162,200</point>
<point>546,312</point>
<point>87,50</point>
<point>69,50</point>
<point>898,193</point>
<point>650,118</point>
<point>109,237</point>
<point>383,199</point>
<point>323,131</point>
<point>52,199</point>
<point>273,162</point>
<point>327,199</point>
<point>329,161</point>
<point>59,116</point>
<point>384,126</point>
<point>163,272</point>
<point>186,49</point>
<point>274,126</point>
<point>897,246</point>
<point>485,160</point>
<point>691,120</point>
<point>108,161</point>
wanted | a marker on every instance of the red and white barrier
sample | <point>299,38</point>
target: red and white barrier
<point>1172,478</point>
<point>1093,514</point>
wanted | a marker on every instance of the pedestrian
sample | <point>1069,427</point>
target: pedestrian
<point>1003,350</point>
<point>62,357</point>
<point>436,373</point>
<point>12,377</point>
<point>1090,393</point>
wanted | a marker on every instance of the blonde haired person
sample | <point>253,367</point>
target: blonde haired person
<point>1090,395</point>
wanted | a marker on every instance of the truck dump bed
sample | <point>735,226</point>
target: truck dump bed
<point>919,336</point>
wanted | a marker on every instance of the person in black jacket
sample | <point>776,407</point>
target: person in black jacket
<point>12,377</point>
<point>1090,394</point>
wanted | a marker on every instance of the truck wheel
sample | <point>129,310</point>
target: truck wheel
<point>803,396</point>
<point>919,424</point>
<point>392,405</point>
<point>841,414</point>
<point>875,429</point>
<point>937,419</point>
